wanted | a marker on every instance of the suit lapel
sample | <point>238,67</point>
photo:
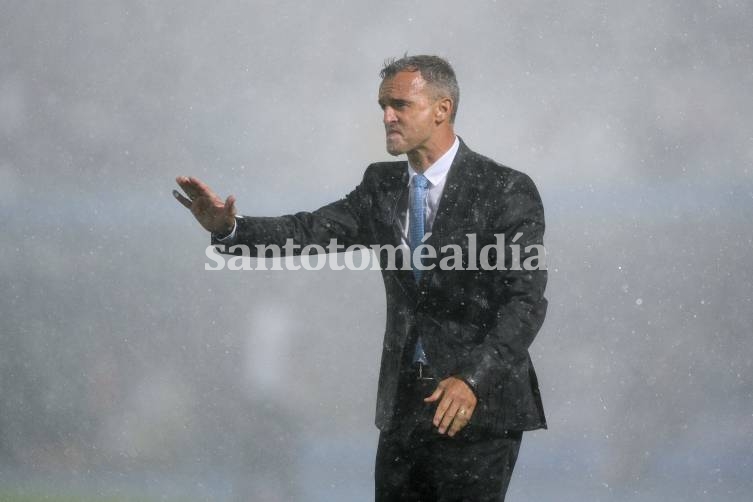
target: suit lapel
<point>452,204</point>
<point>399,204</point>
<point>394,191</point>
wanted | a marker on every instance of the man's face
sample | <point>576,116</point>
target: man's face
<point>409,112</point>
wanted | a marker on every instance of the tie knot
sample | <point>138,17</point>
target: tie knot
<point>420,181</point>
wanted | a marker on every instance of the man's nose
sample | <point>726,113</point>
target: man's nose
<point>389,115</point>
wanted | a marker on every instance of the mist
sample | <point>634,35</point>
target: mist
<point>127,371</point>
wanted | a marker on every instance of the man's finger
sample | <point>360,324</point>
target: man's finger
<point>193,187</point>
<point>436,394</point>
<point>457,425</point>
<point>449,416</point>
<point>444,406</point>
<point>184,183</point>
<point>183,200</point>
<point>202,187</point>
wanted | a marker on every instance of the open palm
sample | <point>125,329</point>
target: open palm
<point>214,214</point>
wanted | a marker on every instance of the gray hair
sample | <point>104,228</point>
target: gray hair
<point>436,71</point>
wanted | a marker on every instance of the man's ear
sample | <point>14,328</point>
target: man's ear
<point>443,109</point>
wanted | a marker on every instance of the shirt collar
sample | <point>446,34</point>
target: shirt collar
<point>438,170</point>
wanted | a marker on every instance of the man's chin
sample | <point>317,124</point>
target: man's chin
<point>394,149</point>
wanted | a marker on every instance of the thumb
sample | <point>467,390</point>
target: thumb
<point>230,204</point>
<point>435,395</point>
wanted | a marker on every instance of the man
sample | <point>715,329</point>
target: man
<point>456,385</point>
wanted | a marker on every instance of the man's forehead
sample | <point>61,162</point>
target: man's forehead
<point>404,82</point>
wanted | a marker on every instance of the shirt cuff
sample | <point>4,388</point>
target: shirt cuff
<point>229,237</point>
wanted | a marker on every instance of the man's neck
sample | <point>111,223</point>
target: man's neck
<point>422,159</point>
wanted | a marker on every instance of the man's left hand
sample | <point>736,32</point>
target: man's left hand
<point>456,407</point>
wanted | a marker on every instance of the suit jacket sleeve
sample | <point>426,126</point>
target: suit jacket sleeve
<point>520,313</point>
<point>343,220</point>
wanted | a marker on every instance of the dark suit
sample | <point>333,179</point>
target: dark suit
<point>476,325</point>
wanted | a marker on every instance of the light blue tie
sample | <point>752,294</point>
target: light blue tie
<point>416,231</point>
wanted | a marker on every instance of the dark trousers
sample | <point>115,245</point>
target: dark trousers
<point>416,463</point>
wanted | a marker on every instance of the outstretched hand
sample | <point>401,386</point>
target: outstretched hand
<point>208,208</point>
<point>456,407</point>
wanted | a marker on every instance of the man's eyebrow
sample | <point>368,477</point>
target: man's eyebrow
<point>394,101</point>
